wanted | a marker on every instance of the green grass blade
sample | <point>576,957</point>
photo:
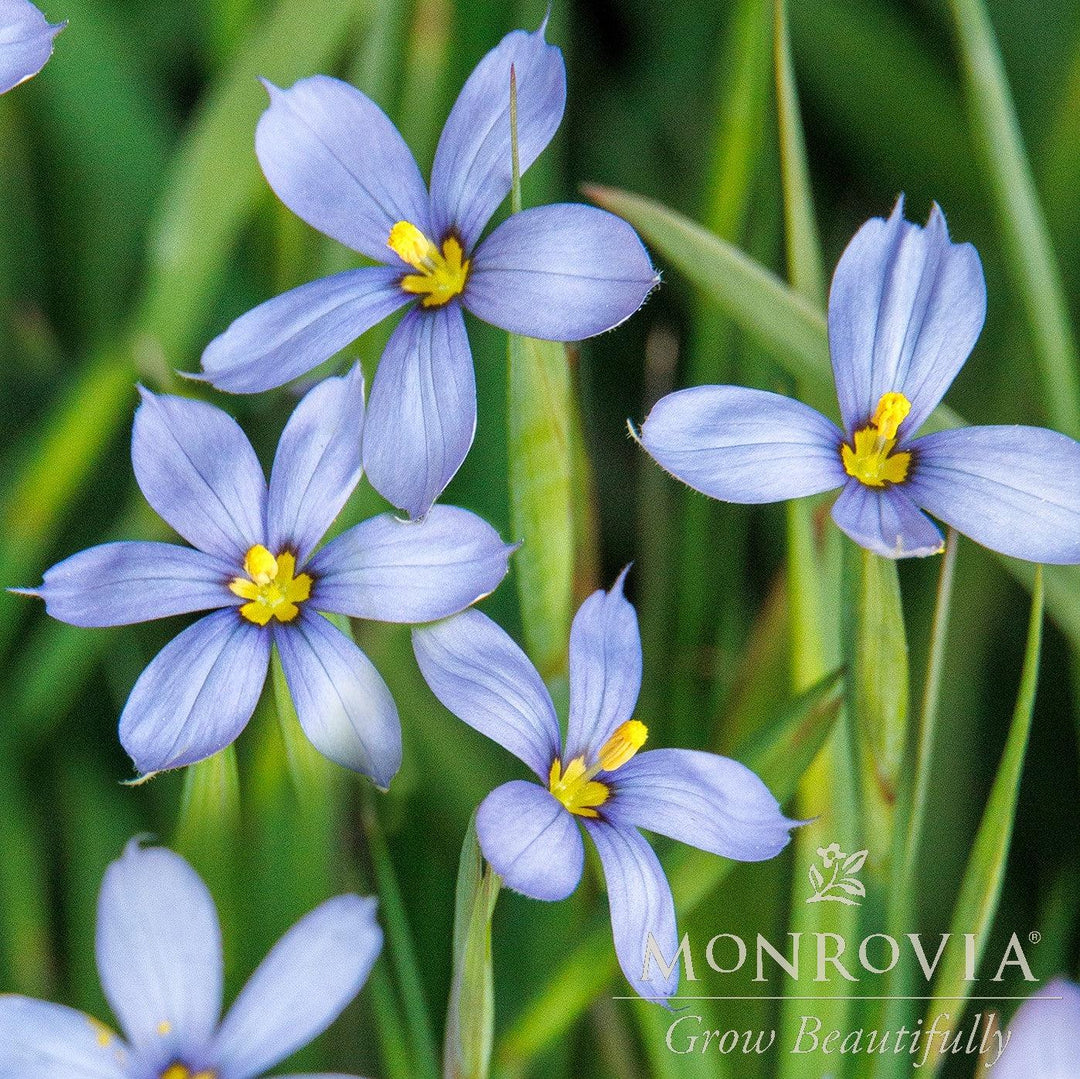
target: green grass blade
<point>779,754</point>
<point>1030,258</point>
<point>985,873</point>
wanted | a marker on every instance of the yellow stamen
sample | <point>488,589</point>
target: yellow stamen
<point>105,1037</point>
<point>270,586</point>
<point>577,789</point>
<point>182,1071</point>
<point>164,1028</point>
<point>872,460</point>
<point>441,274</point>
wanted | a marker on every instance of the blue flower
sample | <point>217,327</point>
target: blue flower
<point>556,272</point>
<point>26,42</point>
<point>905,309</point>
<point>253,567</point>
<point>1044,1035</point>
<point>160,963</point>
<point>598,779</point>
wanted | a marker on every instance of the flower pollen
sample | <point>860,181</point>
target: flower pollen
<point>273,590</point>
<point>441,275</point>
<point>577,789</point>
<point>182,1071</point>
<point>872,461</point>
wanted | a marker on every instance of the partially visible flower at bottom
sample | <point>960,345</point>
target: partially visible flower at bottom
<point>599,779</point>
<point>254,568</point>
<point>1044,1036</point>
<point>26,42</point>
<point>160,962</point>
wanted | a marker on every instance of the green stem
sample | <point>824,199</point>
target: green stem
<point>470,1016</point>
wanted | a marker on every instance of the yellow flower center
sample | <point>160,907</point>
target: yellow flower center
<point>273,592</point>
<point>182,1071</point>
<point>872,461</point>
<point>440,275</point>
<point>577,788</point>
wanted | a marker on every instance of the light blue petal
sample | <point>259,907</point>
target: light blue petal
<point>560,273</point>
<point>287,336</point>
<point>486,680</point>
<point>391,570</point>
<point>1015,490</point>
<point>742,445</point>
<point>341,700</point>
<point>701,799</point>
<point>422,415</point>
<point>198,470</point>
<point>905,309</point>
<point>26,42</point>
<point>471,174</point>
<point>885,520</point>
<point>530,840</point>
<point>197,694</point>
<point>605,670</point>
<point>317,464</point>
<point>641,905</point>
<point>47,1041</point>
<point>117,584</point>
<point>335,159</point>
<point>1044,1036</point>
<point>159,954</point>
<point>301,987</point>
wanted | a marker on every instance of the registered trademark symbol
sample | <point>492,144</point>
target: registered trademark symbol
<point>1035,936</point>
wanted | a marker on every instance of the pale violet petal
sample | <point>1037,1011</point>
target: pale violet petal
<point>159,954</point>
<point>743,445</point>
<point>117,584</point>
<point>317,464</point>
<point>46,1041</point>
<point>561,273</point>
<point>301,987</point>
<point>422,414</point>
<point>701,799</point>
<point>639,897</point>
<point>287,336</point>
<point>605,670</point>
<point>335,159</point>
<point>26,42</point>
<point>197,693</point>
<point>905,309</point>
<point>392,570</point>
<point>1044,1036</point>
<point>198,470</point>
<point>472,171</point>
<point>481,675</point>
<point>885,520</point>
<point>341,700</point>
<point>531,840</point>
<point>1015,490</point>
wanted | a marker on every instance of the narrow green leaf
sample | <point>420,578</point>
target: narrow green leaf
<point>541,496</point>
<point>401,944</point>
<point>878,671</point>
<point>980,891</point>
<point>780,754</point>
<point>1030,258</point>
<point>393,1040</point>
<point>470,1016</point>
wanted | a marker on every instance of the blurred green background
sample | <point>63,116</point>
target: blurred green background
<point>135,224</point>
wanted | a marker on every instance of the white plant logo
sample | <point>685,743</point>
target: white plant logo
<point>837,880</point>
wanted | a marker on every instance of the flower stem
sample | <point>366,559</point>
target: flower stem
<point>471,1011</point>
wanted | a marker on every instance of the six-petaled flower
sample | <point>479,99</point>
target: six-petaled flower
<point>253,565</point>
<point>905,309</point>
<point>159,958</point>
<point>26,42</point>
<point>597,777</point>
<point>558,272</point>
